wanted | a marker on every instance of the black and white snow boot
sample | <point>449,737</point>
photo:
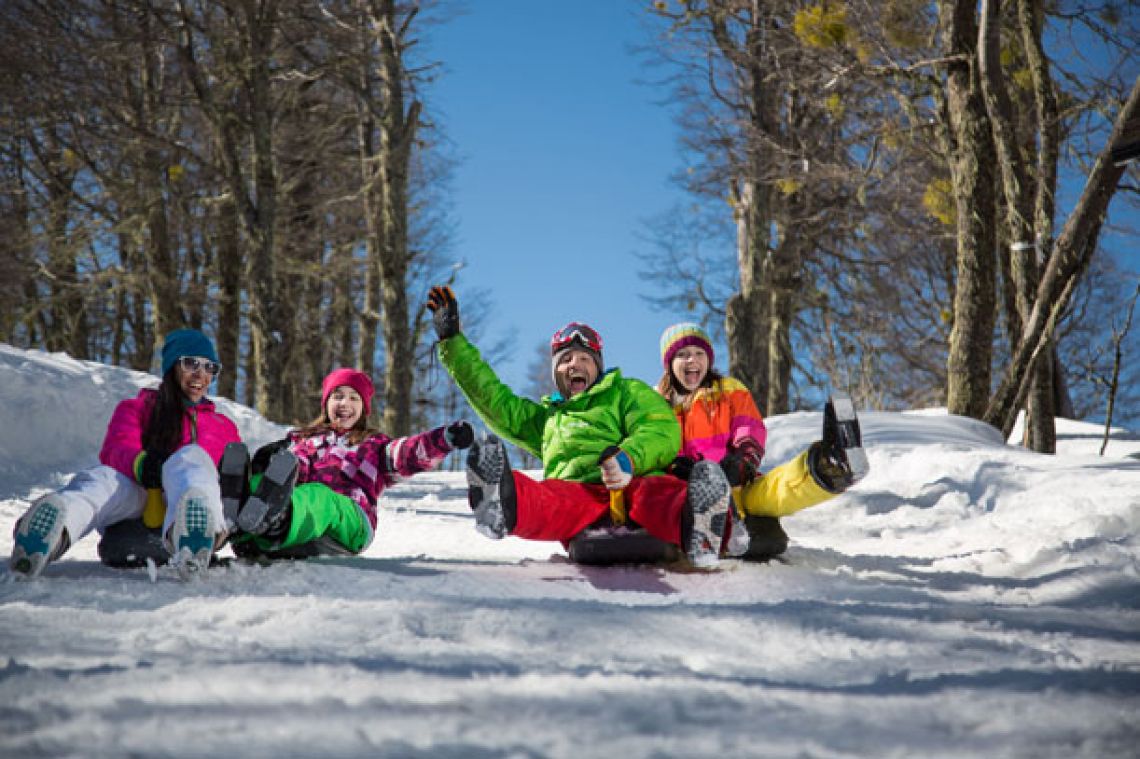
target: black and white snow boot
<point>709,502</point>
<point>491,488</point>
<point>270,506</point>
<point>838,461</point>
<point>233,476</point>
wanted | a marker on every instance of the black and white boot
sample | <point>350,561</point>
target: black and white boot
<point>233,476</point>
<point>838,461</point>
<point>709,502</point>
<point>269,507</point>
<point>738,537</point>
<point>491,488</point>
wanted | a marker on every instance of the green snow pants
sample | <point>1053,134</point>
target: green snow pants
<point>318,513</point>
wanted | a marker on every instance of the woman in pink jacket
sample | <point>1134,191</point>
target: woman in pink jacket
<point>316,491</point>
<point>167,441</point>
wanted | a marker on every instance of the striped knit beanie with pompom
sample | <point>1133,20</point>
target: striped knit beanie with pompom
<point>681,336</point>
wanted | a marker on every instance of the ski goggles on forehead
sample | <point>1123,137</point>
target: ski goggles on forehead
<point>192,364</point>
<point>575,332</point>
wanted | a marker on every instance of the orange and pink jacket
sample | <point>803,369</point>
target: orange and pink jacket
<point>720,417</point>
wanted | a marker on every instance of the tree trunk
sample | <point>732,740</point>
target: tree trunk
<point>387,127</point>
<point>161,272</point>
<point>748,312</point>
<point>228,331</point>
<point>66,325</point>
<point>971,168</point>
<point>783,287</point>
<point>1019,198</point>
<point>1072,253</point>
<point>747,316</point>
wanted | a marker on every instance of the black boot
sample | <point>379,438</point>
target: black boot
<point>491,488</point>
<point>233,476</point>
<point>766,538</point>
<point>838,461</point>
<point>268,508</point>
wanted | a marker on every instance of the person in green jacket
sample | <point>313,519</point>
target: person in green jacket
<point>604,441</point>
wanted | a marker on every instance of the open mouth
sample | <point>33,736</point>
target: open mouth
<point>577,383</point>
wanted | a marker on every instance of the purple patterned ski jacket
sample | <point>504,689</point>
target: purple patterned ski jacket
<point>361,472</point>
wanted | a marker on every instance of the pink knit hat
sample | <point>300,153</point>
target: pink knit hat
<point>357,380</point>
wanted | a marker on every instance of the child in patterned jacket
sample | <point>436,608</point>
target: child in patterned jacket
<point>315,492</point>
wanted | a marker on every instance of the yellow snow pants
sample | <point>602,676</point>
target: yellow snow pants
<point>784,490</point>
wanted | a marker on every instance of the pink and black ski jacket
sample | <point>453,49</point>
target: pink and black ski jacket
<point>361,472</point>
<point>202,424</point>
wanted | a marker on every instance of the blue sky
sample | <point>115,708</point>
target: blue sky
<point>564,155</point>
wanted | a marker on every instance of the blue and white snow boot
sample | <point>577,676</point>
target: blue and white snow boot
<point>39,537</point>
<point>192,536</point>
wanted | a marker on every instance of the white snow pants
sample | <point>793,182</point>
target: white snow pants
<point>99,497</point>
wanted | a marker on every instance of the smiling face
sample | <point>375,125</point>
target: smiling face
<point>575,371</point>
<point>193,384</point>
<point>690,365</point>
<point>344,407</point>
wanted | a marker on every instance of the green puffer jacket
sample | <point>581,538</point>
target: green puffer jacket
<point>569,435</point>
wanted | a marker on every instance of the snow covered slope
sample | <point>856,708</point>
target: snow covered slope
<point>967,599</point>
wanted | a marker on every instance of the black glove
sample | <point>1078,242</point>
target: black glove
<point>150,470</point>
<point>738,469</point>
<point>459,435</point>
<point>264,453</point>
<point>444,311</point>
<point>681,467</point>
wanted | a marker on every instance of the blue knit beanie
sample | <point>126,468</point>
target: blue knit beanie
<point>185,342</point>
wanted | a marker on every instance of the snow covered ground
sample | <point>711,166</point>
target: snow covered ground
<point>967,599</point>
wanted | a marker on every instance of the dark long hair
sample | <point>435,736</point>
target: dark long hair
<point>670,388</point>
<point>163,431</point>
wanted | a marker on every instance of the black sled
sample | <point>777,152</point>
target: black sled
<point>607,546</point>
<point>130,543</point>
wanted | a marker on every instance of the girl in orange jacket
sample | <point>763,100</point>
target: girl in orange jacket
<point>720,421</point>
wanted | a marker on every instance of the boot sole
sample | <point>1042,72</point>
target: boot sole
<point>709,499</point>
<point>35,546</point>
<point>193,538</point>
<point>850,436</point>
<point>233,475</point>
<point>484,459</point>
<point>272,494</point>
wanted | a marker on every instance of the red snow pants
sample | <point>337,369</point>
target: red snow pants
<point>560,509</point>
